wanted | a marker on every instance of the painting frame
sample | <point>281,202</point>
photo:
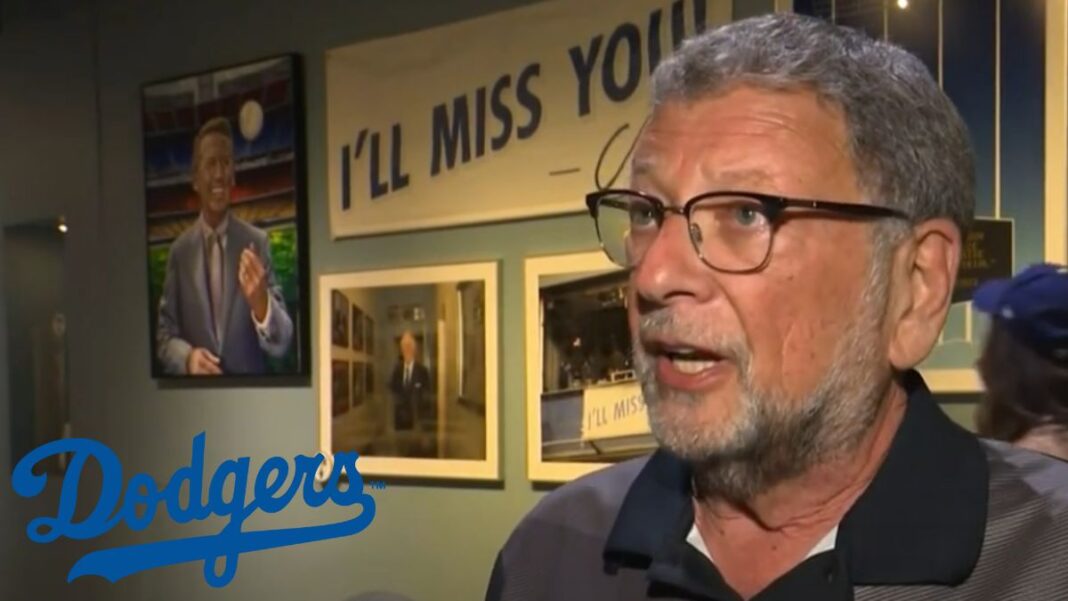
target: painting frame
<point>262,101</point>
<point>487,468</point>
<point>560,266</point>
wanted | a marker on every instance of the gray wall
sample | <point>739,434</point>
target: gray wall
<point>48,167</point>
<point>70,73</point>
<point>32,286</point>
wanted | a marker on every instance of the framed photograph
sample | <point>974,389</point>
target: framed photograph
<point>435,414</point>
<point>359,382</point>
<point>369,329</point>
<point>584,404</point>
<point>225,221</point>
<point>358,322</point>
<point>339,386</point>
<point>339,320</point>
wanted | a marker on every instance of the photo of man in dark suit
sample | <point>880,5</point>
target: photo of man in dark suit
<point>221,310</point>
<point>413,398</point>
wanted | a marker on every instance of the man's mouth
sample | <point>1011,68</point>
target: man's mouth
<point>685,366</point>
<point>691,360</point>
<point>218,190</point>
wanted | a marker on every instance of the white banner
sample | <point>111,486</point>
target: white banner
<point>502,117</point>
<point>613,410</point>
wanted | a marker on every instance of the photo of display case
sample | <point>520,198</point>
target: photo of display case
<point>584,404</point>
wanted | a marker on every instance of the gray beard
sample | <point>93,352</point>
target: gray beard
<point>773,437</point>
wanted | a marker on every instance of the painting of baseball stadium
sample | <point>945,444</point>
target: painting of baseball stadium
<point>226,225</point>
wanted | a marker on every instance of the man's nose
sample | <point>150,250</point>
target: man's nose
<point>671,268</point>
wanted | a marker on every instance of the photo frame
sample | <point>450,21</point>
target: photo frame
<point>358,328</point>
<point>225,183</point>
<point>340,387</point>
<point>584,407</point>
<point>339,320</point>
<point>369,329</point>
<point>429,406</point>
<point>359,382</point>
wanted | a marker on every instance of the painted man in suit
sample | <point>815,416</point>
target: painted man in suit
<point>410,384</point>
<point>221,310</point>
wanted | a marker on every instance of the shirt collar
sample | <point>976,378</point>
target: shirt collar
<point>826,543</point>
<point>207,230</point>
<point>921,520</point>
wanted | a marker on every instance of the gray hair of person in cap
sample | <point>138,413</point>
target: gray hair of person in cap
<point>833,306</point>
<point>1024,362</point>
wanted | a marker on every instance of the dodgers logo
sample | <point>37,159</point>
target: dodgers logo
<point>137,507</point>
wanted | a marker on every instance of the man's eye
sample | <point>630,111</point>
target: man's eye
<point>747,215</point>
<point>642,216</point>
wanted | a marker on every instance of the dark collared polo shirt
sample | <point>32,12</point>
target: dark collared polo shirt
<point>947,517</point>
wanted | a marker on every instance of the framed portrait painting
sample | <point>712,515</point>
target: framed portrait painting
<point>225,222</point>
<point>427,396</point>
<point>584,404</point>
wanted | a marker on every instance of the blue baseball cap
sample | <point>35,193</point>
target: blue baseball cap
<point>1034,306</point>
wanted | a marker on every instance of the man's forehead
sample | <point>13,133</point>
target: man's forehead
<point>717,143</point>
<point>741,111</point>
<point>215,139</point>
<point>654,158</point>
<point>649,165</point>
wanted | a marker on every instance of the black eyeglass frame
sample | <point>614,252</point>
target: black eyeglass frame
<point>774,207</point>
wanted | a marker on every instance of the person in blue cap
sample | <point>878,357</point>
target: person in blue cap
<point>1024,364</point>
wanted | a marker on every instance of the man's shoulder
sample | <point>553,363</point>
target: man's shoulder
<point>188,235</point>
<point>185,242</point>
<point>246,230</point>
<point>586,506</point>
<point>1042,476</point>
<point>1025,547</point>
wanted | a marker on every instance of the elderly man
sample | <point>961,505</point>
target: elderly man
<point>410,383</point>
<point>793,232</point>
<point>221,311</point>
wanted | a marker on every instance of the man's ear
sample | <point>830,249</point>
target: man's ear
<point>924,274</point>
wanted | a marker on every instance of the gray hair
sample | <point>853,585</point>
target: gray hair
<point>908,143</point>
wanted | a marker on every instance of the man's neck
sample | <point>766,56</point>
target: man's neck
<point>786,522</point>
<point>825,492</point>
<point>213,219</point>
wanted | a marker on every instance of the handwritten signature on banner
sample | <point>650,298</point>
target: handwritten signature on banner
<point>142,492</point>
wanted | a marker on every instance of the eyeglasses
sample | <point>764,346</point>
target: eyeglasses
<point>730,231</point>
